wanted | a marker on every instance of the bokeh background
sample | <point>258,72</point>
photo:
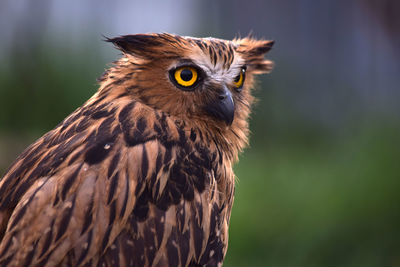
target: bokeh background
<point>319,184</point>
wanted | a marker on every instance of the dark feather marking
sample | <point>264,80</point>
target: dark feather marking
<point>184,244</point>
<point>172,250</point>
<point>199,212</point>
<point>132,87</point>
<point>112,255</point>
<point>66,218</point>
<point>198,234</point>
<point>179,178</point>
<point>180,217</point>
<point>70,180</point>
<point>225,60</point>
<point>85,252</point>
<point>141,124</point>
<point>9,242</point>
<point>122,95</point>
<point>105,127</point>
<point>19,192</point>
<point>200,44</point>
<point>74,158</point>
<point>56,198</point>
<point>117,130</point>
<point>106,238</point>
<point>115,254</point>
<point>47,242</point>
<point>212,194</point>
<point>69,258</point>
<point>211,53</point>
<point>99,99</point>
<point>199,179</point>
<point>214,242</point>
<point>113,186</point>
<point>22,211</point>
<point>15,177</point>
<point>57,156</point>
<point>182,137</point>
<point>175,193</point>
<point>91,138</point>
<point>113,164</point>
<point>150,246</point>
<point>156,190</point>
<point>139,249</point>
<point>98,151</point>
<point>122,80</point>
<point>123,116</point>
<point>89,263</point>
<point>7,260</point>
<point>159,160</point>
<point>83,124</point>
<point>167,156</point>
<point>133,223</point>
<point>88,216</point>
<point>145,163</point>
<point>141,208</point>
<point>67,122</point>
<point>92,108</point>
<point>113,208</point>
<point>164,201</point>
<point>157,128</point>
<point>104,76</point>
<point>159,226</point>
<point>138,136</point>
<point>62,136</point>
<point>188,194</point>
<point>192,135</point>
<point>102,113</point>
<point>122,212</point>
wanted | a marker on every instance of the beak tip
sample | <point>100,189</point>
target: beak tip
<point>229,120</point>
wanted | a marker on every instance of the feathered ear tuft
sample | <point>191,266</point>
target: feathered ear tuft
<point>253,52</point>
<point>140,45</point>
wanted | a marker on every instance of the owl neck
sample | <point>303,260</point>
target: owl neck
<point>228,140</point>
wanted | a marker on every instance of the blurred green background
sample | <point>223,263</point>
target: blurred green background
<point>319,184</point>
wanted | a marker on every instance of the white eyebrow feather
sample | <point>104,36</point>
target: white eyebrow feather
<point>218,72</point>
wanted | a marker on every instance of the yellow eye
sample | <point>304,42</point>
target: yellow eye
<point>239,80</point>
<point>185,76</point>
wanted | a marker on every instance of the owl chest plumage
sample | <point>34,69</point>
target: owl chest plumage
<point>157,193</point>
<point>183,195</point>
<point>182,211</point>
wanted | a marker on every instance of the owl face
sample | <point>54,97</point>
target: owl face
<point>203,79</point>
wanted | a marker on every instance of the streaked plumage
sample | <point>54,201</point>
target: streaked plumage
<point>141,174</point>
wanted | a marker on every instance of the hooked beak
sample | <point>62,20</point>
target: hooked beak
<point>223,108</point>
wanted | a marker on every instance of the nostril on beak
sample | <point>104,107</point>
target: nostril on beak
<point>222,97</point>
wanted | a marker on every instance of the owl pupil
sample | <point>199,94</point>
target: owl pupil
<point>186,75</point>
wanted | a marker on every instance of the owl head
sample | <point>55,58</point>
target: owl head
<point>204,80</point>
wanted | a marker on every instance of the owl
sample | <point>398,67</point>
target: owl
<point>141,174</point>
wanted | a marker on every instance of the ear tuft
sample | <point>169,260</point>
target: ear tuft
<point>253,52</point>
<point>137,44</point>
<point>261,49</point>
